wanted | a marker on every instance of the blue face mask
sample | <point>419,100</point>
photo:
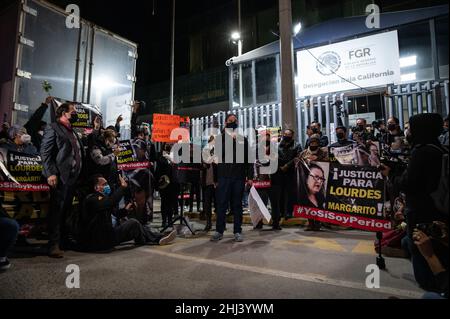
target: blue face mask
<point>107,190</point>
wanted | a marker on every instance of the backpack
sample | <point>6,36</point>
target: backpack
<point>441,195</point>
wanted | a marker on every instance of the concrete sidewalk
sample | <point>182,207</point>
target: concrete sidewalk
<point>290,264</point>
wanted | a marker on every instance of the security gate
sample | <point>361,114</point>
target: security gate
<point>402,101</point>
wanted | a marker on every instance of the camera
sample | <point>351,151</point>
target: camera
<point>432,230</point>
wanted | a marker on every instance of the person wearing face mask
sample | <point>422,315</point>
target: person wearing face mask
<point>231,178</point>
<point>394,131</point>
<point>316,129</point>
<point>98,231</point>
<point>419,181</point>
<point>314,153</point>
<point>62,159</point>
<point>19,141</point>
<point>342,140</point>
<point>361,130</point>
<point>103,157</point>
<point>288,150</point>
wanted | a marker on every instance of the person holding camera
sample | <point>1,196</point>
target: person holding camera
<point>436,260</point>
<point>360,134</point>
<point>98,231</point>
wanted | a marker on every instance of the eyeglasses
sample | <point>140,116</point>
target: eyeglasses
<point>318,178</point>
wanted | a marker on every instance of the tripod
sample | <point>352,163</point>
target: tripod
<point>180,217</point>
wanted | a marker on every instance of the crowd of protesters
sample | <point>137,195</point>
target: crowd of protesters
<point>114,209</point>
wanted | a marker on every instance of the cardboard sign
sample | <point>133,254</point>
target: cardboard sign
<point>127,160</point>
<point>164,124</point>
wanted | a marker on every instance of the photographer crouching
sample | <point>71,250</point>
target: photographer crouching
<point>98,231</point>
<point>421,181</point>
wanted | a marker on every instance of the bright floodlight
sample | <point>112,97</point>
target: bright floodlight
<point>236,36</point>
<point>297,28</point>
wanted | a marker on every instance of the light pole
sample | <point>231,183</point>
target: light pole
<point>172,62</point>
<point>288,102</point>
<point>236,37</point>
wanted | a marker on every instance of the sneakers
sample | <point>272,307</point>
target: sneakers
<point>168,238</point>
<point>238,238</point>
<point>5,265</point>
<point>217,237</point>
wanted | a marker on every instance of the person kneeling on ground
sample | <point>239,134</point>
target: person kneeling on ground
<point>98,231</point>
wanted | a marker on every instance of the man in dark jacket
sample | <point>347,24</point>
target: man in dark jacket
<point>342,140</point>
<point>98,231</point>
<point>231,177</point>
<point>316,128</point>
<point>62,159</point>
<point>419,181</point>
<point>288,150</point>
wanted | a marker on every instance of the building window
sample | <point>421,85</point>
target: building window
<point>266,81</point>
<point>415,52</point>
<point>245,85</point>
<point>442,46</point>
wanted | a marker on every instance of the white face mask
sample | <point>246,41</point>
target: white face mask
<point>41,133</point>
<point>26,139</point>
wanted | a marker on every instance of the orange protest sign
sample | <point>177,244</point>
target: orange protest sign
<point>165,124</point>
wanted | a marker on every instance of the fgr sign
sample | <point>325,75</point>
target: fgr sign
<point>364,62</point>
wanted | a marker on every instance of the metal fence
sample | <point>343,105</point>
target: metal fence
<point>402,101</point>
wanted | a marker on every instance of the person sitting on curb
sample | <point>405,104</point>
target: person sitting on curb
<point>97,230</point>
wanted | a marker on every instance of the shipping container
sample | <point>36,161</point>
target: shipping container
<point>40,42</point>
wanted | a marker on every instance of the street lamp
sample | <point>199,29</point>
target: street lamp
<point>297,28</point>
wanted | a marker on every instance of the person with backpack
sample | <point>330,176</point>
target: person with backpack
<point>424,188</point>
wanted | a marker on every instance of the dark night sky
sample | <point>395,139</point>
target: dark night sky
<point>134,20</point>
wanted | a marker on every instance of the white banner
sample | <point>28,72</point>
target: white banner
<point>365,62</point>
<point>258,211</point>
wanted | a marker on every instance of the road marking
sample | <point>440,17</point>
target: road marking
<point>313,278</point>
<point>364,247</point>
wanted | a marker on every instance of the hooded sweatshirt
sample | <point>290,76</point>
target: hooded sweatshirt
<point>423,174</point>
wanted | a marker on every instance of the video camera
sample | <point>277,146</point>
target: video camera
<point>433,230</point>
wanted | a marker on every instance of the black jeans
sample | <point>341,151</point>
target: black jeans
<point>209,195</point>
<point>61,203</point>
<point>9,230</point>
<point>274,195</point>
<point>132,229</point>
<point>194,190</point>
<point>287,197</point>
<point>169,203</point>
<point>229,193</point>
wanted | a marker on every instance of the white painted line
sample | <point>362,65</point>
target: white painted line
<point>318,279</point>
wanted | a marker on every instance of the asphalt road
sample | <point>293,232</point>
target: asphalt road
<point>291,264</point>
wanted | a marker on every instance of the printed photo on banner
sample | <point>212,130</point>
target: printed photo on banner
<point>349,196</point>
<point>357,154</point>
<point>312,184</point>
